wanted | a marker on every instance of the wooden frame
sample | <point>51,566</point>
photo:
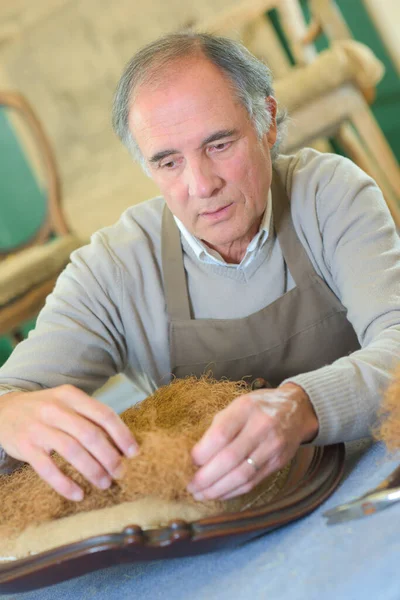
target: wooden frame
<point>314,475</point>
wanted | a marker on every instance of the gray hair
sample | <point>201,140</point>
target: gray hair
<point>251,80</point>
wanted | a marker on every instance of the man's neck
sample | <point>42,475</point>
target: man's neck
<point>234,252</point>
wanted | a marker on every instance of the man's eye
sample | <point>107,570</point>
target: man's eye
<point>220,147</point>
<point>168,165</point>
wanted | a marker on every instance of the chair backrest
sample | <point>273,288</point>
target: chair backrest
<point>385,15</point>
<point>30,197</point>
<point>277,30</point>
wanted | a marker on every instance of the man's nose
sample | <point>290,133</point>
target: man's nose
<point>202,180</point>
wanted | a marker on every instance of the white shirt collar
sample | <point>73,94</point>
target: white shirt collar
<point>210,256</point>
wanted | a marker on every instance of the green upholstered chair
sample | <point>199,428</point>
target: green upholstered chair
<point>35,243</point>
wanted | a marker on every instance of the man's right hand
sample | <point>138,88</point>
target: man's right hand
<point>85,432</point>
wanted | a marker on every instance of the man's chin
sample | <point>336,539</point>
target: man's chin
<point>222,237</point>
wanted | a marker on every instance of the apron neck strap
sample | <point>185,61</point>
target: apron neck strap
<point>175,286</point>
<point>296,258</point>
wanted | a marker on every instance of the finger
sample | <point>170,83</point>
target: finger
<point>244,489</point>
<point>224,428</point>
<point>267,454</point>
<point>104,416</point>
<point>229,457</point>
<point>49,472</point>
<point>86,435</point>
<point>272,465</point>
<point>242,476</point>
<point>74,453</point>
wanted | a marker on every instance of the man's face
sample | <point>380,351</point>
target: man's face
<point>203,152</point>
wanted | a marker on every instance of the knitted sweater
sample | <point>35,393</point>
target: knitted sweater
<point>107,312</point>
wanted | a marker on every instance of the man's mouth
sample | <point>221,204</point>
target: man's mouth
<point>217,212</point>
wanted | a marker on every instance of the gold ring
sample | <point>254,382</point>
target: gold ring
<point>253,463</point>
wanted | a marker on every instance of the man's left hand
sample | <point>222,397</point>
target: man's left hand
<point>266,426</point>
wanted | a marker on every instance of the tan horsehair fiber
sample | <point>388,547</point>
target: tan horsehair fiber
<point>166,426</point>
<point>388,429</point>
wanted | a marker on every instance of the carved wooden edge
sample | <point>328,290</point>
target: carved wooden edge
<point>55,220</point>
<point>178,537</point>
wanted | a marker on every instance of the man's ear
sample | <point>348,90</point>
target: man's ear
<point>271,106</point>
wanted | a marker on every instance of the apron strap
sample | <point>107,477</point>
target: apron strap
<point>175,286</point>
<point>296,258</point>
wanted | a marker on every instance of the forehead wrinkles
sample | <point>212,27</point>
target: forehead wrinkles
<point>176,117</point>
<point>172,129</point>
<point>177,113</point>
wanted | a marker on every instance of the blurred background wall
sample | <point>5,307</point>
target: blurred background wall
<point>66,57</point>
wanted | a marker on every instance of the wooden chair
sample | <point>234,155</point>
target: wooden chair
<point>375,155</point>
<point>384,14</point>
<point>337,106</point>
<point>35,244</point>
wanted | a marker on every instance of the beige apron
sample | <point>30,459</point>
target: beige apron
<point>304,329</point>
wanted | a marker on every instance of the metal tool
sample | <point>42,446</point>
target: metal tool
<point>379,498</point>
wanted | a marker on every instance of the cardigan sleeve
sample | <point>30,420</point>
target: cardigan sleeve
<point>79,337</point>
<point>361,256</point>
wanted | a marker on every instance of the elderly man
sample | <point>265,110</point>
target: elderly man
<point>250,264</point>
